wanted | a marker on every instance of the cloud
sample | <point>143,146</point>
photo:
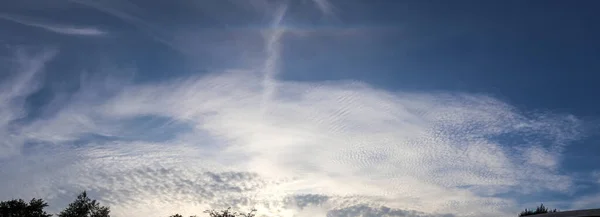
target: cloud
<point>436,153</point>
<point>587,202</point>
<point>116,9</point>
<point>13,92</point>
<point>56,28</point>
<point>324,6</point>
<point>367,211</point>
<point>346,138</point>
<point>272,48</point>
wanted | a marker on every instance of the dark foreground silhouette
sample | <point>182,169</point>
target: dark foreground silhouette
<point>83,206</point>
<point>539,210</point>
<point>223,213</point>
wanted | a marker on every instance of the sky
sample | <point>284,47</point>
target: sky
<point>301,107</point>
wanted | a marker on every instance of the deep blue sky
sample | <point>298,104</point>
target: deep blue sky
<point>537,54</point>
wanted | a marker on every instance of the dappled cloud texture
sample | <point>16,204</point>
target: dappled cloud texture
<point>354,144</point>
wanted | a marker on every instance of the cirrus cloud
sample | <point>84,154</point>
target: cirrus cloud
<point>56,28</point>
<point>433,152</point>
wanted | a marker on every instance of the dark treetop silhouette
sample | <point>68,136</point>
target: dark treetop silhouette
<point>539,210</point>
<point>83,206</point>
<point>224,213</point>
<point>20,208</point>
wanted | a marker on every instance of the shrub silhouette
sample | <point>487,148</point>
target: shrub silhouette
<point>539,210</point>
<point>223,213</point>
<point>228,213</point>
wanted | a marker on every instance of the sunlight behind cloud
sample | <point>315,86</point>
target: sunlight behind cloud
<point>407,150</point>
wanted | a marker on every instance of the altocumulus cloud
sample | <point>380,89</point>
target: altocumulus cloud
<point>319,148</point>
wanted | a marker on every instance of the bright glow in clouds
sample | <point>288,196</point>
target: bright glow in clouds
<point>339,148</point>
<point>348,144</point>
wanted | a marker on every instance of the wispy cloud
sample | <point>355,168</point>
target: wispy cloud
<point>596,176</point>
<point>324,6</point>
<point>272,48</point>
<point>56,28</point>
<point>152,31</point>
<point>13,93</point>
<point>435,153</point>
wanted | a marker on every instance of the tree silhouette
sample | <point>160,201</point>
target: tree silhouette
<point>177,215</point>
<point>85,207</point>
<point>539,210</point>
<point>224,213</point>
<point>229,213</point>
<point>20,208</point>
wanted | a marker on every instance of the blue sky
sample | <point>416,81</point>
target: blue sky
<point>301,108</point>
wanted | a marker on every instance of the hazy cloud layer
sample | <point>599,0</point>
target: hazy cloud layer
<point>436,153</point>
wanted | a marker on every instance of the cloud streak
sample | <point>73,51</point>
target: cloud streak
<point>13,93</point>
<point>56,28</point>
<point>272,48</point>
<point>324,6</point>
